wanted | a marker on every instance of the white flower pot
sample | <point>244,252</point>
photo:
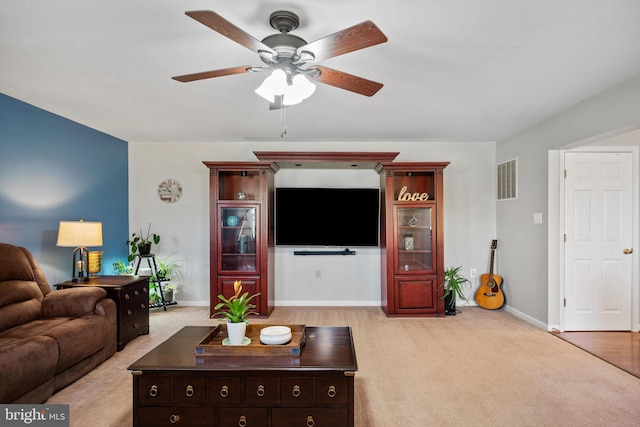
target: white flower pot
<point>235,332</point>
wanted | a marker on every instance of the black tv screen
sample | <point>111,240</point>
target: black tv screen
<point>327,216</point>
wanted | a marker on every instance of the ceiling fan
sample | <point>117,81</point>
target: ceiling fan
<point>292,54</point>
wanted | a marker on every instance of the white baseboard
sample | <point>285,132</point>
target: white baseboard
<point>526,318</point>
<point>305,303</point>
<point>194,303</point>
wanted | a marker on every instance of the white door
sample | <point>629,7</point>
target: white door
<point>598,238</point>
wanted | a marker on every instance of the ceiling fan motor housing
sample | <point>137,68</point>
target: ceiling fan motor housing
<point>284,21</point>
<point>286,45</point>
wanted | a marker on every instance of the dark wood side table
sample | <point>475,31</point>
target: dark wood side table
<point>131,294</point>
<point>171,385</point>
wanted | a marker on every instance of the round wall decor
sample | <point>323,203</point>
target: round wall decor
<point>170,190</point>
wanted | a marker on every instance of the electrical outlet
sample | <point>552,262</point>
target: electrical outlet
<point>318,274</point>
<point>473,273</point>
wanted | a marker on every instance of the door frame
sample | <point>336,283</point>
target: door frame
<point>556,290</point>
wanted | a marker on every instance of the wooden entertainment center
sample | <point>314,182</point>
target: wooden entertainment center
<point>411,226</point>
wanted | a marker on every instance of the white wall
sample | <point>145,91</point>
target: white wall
<point>344,280</point>
<point>524,245</point>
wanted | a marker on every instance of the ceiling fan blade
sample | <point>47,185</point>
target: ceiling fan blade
<point>357,37</point>
<point>227,29</point>
<point>210,74</point>
<point>346,81</point>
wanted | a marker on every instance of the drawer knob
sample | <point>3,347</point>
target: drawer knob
<point>296,391</point>
<point>189,391</point>
<point>174,419</point>
<point>142,306</point>
<point>242,422</point>
<point>332,391</point>
<point>153,392</point>
<point>126,296</point>
<point>310,421</point>
<point>260,390</point>
<point>129,312</point>
<point>136,293</point>
<point>224,391</point>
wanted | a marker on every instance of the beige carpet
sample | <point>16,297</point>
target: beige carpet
<point>479,368</point>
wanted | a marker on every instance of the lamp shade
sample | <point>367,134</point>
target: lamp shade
<point>79,234</point>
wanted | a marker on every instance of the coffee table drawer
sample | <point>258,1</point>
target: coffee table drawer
<point>225,391</point>
<point>189,390</point>
<point>243,417</point>
<point>260,391</point>
<point>332,391</point>
<point>154,390</point>
<point>296,391</point>
<point>309,417</point>
<point>174,416</point>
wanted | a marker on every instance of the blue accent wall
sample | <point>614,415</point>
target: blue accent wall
<point>54,169</point>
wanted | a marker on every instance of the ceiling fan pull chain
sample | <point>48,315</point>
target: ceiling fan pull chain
<point>283,120</point>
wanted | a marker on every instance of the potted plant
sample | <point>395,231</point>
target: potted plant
<point>141,243</point>
<point>121,268</point>
<point>453,284</point>
<point>167,292</point>
<point>167,270</point>
<point>236,309</point>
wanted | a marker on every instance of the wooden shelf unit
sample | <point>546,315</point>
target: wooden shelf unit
<point>412,238</point>
<point>241,230</point>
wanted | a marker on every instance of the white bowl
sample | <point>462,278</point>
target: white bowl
<point>275,335</point>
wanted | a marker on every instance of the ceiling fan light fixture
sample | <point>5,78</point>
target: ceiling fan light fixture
<point>275,84</point>
<point>299,90</point>
<point>295,90</point>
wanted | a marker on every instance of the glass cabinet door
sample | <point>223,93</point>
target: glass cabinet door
<point>237,244</point>
<point>414,239</point>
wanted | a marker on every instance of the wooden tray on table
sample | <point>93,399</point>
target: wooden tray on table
<point>212,346</point>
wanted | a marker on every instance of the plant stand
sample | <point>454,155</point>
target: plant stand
<point>154,282</point>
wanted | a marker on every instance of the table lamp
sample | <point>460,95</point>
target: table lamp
<point>80,235</point>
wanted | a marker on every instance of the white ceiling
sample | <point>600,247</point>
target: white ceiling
<point>453,70</point>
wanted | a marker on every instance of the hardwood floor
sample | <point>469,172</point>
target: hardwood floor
<point>621,349</point>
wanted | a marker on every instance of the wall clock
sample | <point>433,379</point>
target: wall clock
<point>170,191</point>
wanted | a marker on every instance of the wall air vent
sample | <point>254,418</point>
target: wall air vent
<point>507,179</point>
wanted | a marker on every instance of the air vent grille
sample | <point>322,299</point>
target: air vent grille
<point>507,179</point>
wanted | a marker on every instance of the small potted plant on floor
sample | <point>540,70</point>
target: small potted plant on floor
<point>453,285</point>
<point>236,310</point>
<point>141,243</point>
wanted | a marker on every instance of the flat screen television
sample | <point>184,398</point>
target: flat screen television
<point>327,216</point>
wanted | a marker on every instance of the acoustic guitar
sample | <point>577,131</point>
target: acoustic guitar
<point>489,295</point>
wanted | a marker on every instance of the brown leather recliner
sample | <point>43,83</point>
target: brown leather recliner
<point>47,339</point>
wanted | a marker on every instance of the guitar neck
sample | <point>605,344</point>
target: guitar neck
<point>493,252</point>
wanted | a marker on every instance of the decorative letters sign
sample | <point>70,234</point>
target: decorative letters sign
<point>411,197</point>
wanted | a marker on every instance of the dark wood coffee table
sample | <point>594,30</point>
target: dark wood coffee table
<point>171,386</point>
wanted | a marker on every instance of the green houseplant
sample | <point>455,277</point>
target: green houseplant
<point>167,270</point>
<point>453,285</point>
<point>236,309</point>
<point>121,268</point>
<point>141,243</point>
